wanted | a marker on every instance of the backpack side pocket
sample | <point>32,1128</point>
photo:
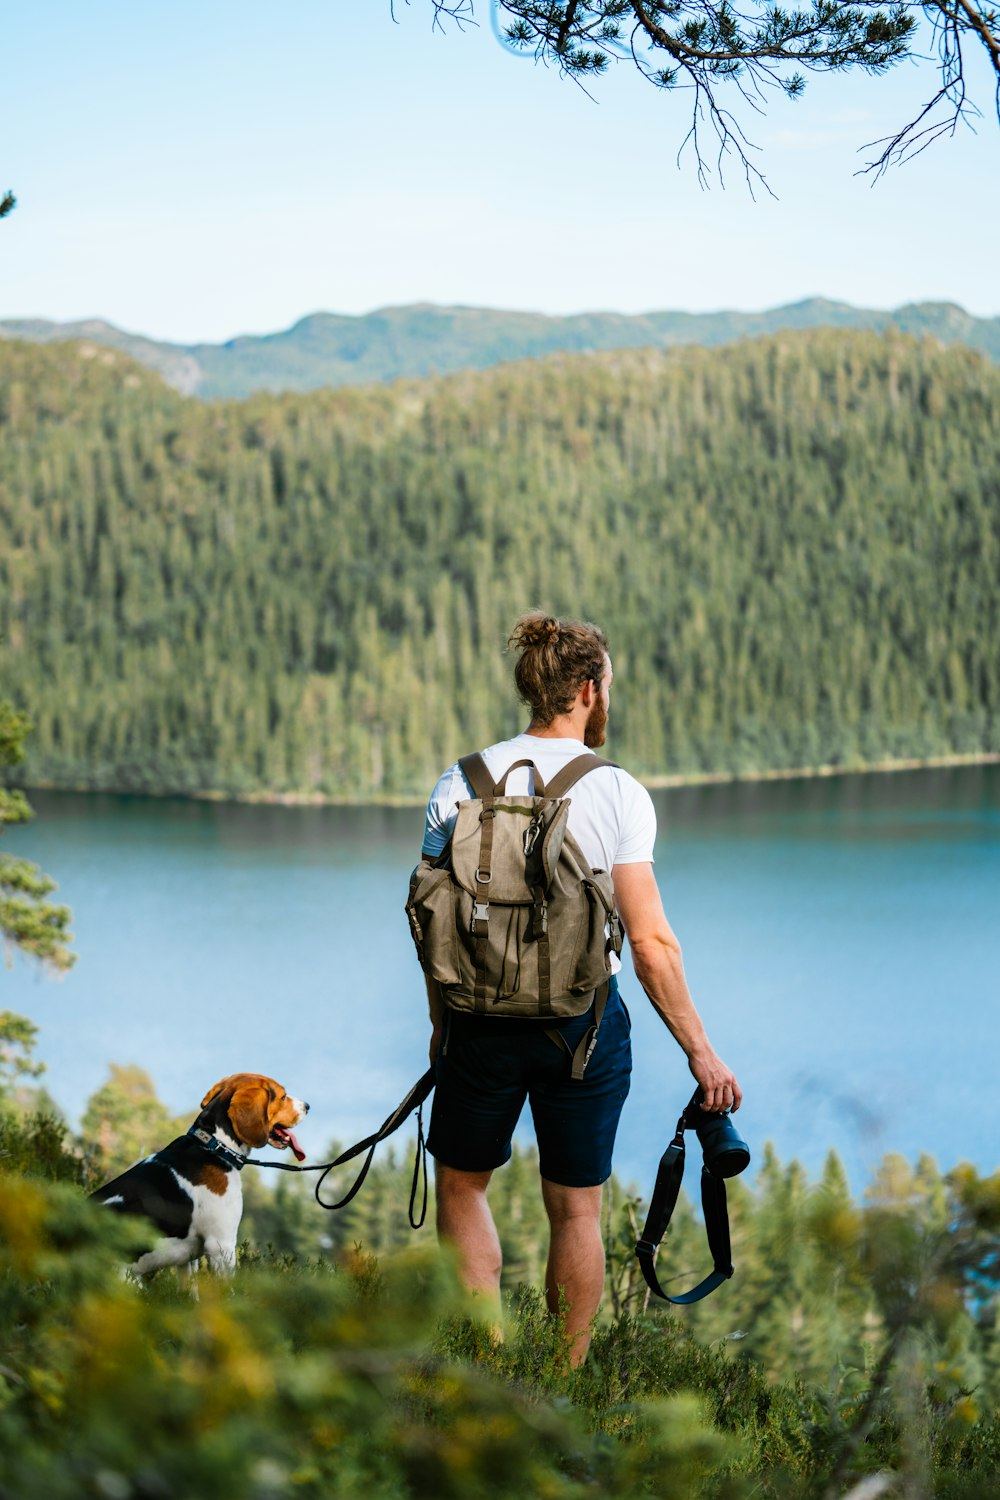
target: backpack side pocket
<point>430,908</point>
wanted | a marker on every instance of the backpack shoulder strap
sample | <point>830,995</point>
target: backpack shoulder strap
<point>572,772</point>
<point>473,768</point>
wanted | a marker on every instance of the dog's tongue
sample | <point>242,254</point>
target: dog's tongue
<point>300,1155</point>
<point>282,1136</point>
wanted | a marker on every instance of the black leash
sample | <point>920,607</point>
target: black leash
<point>661,1207</point>
<point>413,1101</point>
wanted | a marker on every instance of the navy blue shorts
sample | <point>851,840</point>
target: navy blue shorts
<point>488,1065</point>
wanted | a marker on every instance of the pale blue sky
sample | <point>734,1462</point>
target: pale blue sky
<point>194,171</point>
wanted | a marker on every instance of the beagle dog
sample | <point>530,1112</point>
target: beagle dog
<point>190,1191</point>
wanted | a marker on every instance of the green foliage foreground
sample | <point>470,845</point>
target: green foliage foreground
<point>306,1381</point>
<point>365,1377</point>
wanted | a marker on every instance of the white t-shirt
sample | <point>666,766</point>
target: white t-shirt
<point>611,815</point>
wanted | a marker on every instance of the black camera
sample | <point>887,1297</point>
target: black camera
<point>726,1153</point>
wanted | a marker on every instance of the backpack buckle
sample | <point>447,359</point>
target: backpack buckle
<point>591,1044</point>
<point>480,913</point>
<point>539,918</point>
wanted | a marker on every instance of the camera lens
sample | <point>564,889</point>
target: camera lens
<point>730,1161</point>
<point>725,1151</point>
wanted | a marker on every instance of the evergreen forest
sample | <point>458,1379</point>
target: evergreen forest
<point>793,544</point>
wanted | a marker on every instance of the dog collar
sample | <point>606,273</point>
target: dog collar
<point>218,1148</point>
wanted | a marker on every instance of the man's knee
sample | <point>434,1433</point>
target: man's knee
<point>464,1221</point>
<point>460,1196</point>
<point>452,1184</point>
<point>565,1203</point>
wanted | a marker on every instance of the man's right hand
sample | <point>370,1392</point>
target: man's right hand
<point>717,1080</point>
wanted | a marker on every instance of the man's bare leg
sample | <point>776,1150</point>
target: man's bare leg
<point>465,1221</point>
<point>576,1260</point>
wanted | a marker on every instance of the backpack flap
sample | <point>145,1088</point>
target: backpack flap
<point>527,836</point>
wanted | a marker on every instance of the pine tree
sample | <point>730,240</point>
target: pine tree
<point>27,920</point>
<point>124,1120</point>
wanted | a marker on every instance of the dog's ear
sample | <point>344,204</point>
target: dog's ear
<point>276,1097</point>
<point>215,1090</point>
<point>249,1114</point>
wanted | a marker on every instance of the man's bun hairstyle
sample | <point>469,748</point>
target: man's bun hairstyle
<point>556,658</point>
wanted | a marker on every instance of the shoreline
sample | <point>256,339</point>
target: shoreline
<point>652,783</point>
<point>805,773</point>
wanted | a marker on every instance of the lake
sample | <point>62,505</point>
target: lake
<point>841,939</point>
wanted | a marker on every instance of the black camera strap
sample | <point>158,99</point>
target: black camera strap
<point>661,1208</point>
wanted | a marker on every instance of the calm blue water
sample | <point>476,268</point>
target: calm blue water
<point>841,939</point>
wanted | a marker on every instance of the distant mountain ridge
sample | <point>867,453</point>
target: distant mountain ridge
<point>336,349</point>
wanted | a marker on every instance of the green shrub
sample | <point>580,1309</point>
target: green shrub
<point>373,1377</point>
<point>296,1379</point>
<point>36,1145</point>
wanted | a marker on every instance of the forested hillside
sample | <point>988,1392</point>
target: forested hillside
<point>794,545</point>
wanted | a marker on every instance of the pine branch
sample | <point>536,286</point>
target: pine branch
<point>27,920</point>
<point>37,928</point>
<point>711,42</point>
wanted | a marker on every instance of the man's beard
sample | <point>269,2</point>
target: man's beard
<point>597,723</point>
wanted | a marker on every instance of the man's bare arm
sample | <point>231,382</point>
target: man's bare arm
<point>659,968</point>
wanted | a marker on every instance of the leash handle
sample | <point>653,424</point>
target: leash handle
<point>352,1191</point>
<point>419,1168</point>
<point>413,1101</point>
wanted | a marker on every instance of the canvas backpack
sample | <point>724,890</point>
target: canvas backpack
<point>511,919</point>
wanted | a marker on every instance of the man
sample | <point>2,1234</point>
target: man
<point>486,1066</point>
